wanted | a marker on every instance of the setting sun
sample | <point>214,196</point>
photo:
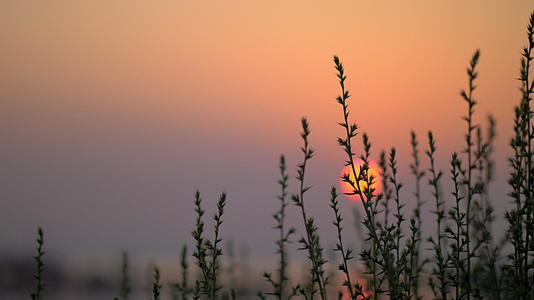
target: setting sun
<point>360,279</point>
<point>374,170</point>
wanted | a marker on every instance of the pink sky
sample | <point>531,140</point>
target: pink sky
<point>113,113</point>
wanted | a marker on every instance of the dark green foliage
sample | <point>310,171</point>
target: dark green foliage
<point>214,248</point>
<point>40,265</point>
<point>208,252</point>
<point>370,256</point>
<point>391,261</point>
<point>519,269</point>
<point>182,289</point>
<point>400,261</point>
<point>156,285</point>
<point>125,287</point>
<point>438,285</point>
<point>412,268</point>
<point>456,232</point>
<point>384,259</point>
<point>386,189</point>
<point>201,253</point>
<point>197,290</point>
<point>472,187</point>
<point>418,174</point>
<point>355,290</point>
<point>279,285</point>
<point>486,276</point>
<point>310,242</point>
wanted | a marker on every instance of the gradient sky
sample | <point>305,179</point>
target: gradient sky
<point>112,113</point>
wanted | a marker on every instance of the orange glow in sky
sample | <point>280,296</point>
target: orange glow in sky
<point>113,104</point>
<point>374,170</point>
<point>360,279</point>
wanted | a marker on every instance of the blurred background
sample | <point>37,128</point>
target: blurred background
<point>113,113</point>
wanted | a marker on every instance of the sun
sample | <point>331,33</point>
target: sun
<point>360,279</point>
<point>374,170</point>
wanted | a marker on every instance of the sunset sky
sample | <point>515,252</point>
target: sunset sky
<point>112,113</point>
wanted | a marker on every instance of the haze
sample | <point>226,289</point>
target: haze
<point>113,113</point>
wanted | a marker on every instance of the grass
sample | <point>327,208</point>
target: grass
<point>280,284</point>
<point>125,288</point>
<point>156,285</point>
<point>439,281</point>
<point>310,241</point>
<point>181,289</point>
<point>519,266</point>
<point>464,260</point>
<point>208,252</point>
<point>467,172</point>
<point>418,175</point>
<point>40,265</point>
<point>355,290</point>
<point>370,256</point>
<point>455,231</point>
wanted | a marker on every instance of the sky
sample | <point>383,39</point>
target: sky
<point>112,113</point>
